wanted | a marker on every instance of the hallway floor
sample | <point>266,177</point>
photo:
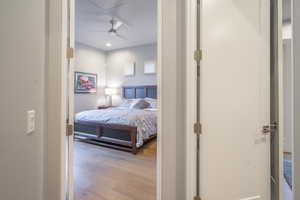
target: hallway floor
<point>107,174</point>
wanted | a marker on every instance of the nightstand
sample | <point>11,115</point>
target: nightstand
<point>103,107</point>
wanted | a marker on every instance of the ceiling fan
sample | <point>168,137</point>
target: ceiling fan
<point>115,26</point>
<point>115,23</point>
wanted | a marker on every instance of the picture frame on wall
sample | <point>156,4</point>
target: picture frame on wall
<point>129,69</point>
<point>85,83</point>
<point>150,67</point>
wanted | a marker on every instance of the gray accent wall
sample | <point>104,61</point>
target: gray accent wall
<point>22,68</point>
<point>91,60</point>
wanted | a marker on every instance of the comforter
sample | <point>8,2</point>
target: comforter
<point>144,120</point>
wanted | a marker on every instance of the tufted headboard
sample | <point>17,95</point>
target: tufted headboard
<point>135,92</point>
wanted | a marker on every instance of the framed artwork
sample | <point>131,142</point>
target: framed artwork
<point>150,67</point>
<point>129,69</point>
<point>85,83</point>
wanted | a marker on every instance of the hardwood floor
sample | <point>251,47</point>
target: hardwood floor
<point>107,174</point>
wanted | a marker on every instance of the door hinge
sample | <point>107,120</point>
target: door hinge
<point>270,128</point>
<point>198,128</point>
<point>70,130</point>
<point>70,53</point>
<point>197,198</point>
<point>273,180</point>
<point>198,55</point>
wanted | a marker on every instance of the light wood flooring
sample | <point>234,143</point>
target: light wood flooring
<point>107,174</point>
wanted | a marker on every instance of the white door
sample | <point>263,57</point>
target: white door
<point>235,99</point>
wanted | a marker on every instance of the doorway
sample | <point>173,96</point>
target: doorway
<point>116,99</point>
<point>170,82</point>
<point>288,94</point>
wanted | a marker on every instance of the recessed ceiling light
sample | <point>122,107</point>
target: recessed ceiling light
<point>108,44</point>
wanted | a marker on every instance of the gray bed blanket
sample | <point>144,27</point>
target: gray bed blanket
<point>288,172</point>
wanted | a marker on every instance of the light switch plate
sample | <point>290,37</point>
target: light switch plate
<point>30,121</point>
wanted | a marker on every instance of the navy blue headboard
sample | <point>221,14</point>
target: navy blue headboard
<point>135,92</point>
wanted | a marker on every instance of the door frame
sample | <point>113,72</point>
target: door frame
<point>169,180</point>
<point>277,59</point>
<point>191,97</point>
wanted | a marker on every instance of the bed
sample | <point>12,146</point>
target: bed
<point>120,127</point>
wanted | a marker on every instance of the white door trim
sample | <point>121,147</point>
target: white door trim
<point>55,156</point>
<point>191,78</point>
<point>55,126</point>
<point>280,100</point>
<point>159,114</point>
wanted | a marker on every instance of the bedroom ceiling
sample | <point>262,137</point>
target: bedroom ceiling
<point>93,16</point>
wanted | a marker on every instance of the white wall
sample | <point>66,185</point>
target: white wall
<point>22,65</point>
<point>91,60</point>
<point>287,81</point>
<point>115,66</point>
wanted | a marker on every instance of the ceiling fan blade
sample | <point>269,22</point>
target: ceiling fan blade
<point>124,22</point>
<point>99,31</point>
<point>95,4</point>
<point>113,9</point>
<point>120,36</point>
<point>106,11</point>
<point>118,24</point>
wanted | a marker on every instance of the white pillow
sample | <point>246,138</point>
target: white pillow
<point>139,104</point>
<point>152,102</point>
<point>127,103</point>
<point>135,104</point>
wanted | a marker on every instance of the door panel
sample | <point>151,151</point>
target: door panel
<point>235,99</point>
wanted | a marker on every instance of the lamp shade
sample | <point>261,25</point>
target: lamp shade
<point>110,91</point>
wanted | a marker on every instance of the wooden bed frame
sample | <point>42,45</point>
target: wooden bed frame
<point>121,137</point>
